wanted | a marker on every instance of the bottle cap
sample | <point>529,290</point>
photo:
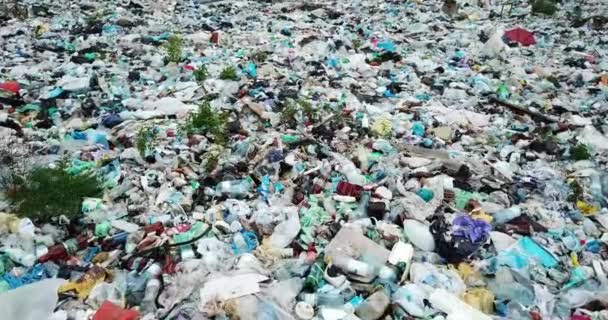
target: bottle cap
<point>304,310</point>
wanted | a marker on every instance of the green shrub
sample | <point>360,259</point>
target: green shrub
<point>145,138</point>
<point>580,152</point>
<point>576,191</point>
<point>289,113</point>
<point>174,47</point>
<point>51,192</point>
<point>547,7</point>
<point>357,44</point>
<point>201,74</point>
<point>208,122</point>
<point>229,73</point>
<point>308,109</point>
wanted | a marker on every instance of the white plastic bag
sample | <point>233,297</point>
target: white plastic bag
<point>34,301</point>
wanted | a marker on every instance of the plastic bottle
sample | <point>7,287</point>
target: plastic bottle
<point>374,306</point>
<point>55,253</point>
<point>353,175</point>
<point>61,252</point>
<point>502,92</point>
<point>85,284</point>
<point>239,243</point>
<point>286,231</point>
<point>137,283</point>
<point>505,215</point>
<point>148,304</point>
<point>329,299</point>
<point>361,210</point>
<point>266,312</point>
<point>599,187</point>
<point>115,241</point>
<point>454,307</point>
<point>325,299</point>
<point>348,189</point>
<point>156,228</point>
<point>353,266</point>
<point>234,188</point>
<point>419,235</point>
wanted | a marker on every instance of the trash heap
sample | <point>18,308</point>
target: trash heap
<point>304,160</point>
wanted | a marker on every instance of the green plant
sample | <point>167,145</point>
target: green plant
<point>50,192</point>
<point>292,107</point>
<point>208,122</point>
<point>229,73</point>
<point>95,17</point>
<point>580,152</point>
<point>576,191</point>
<point>145,138</point>
<point>212,157</point>
<point>289,112</point>
<point>308,110</point>
<point>492,140</point>
<point>201,74</point>
<point>547,7</point>
<point>174,47</point>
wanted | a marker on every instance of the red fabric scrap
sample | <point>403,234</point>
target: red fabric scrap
<point>521,36</point>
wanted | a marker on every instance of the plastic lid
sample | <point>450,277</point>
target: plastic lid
<point>304,310</point>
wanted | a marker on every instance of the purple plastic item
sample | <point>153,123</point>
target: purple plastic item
<point>475,230</point>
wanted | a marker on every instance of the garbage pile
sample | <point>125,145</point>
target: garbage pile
<point>304,160</point>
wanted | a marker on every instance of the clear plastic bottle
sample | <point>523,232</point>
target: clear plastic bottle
<point>286,231</point>
<point>239,244</point>
<point>234,188</point>
<point>328,299</point>
<point>354,266</point>
<point>599,187</point>
<point>148,304</point>
<point>267,312</point>
<point>505,215</point>
<point>361,210</point>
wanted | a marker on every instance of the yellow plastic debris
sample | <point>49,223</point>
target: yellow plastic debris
<point>481,299</point>
<point>86,283</point>
<point>382,127</point>
<point>470,276</point>
<point>480,214</point>
<point>586,208</point>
